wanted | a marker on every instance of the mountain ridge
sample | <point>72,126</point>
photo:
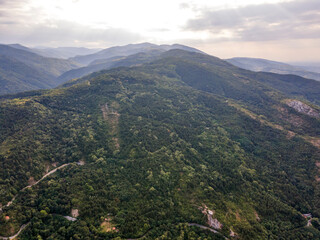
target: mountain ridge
<point>127,50</point>
<point>264,65</point>
<point>23,70</point>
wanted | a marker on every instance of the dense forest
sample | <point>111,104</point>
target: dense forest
<point>184,147</point>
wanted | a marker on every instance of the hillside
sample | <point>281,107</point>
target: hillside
<point>187,146</point>
<point>22,70</point>
<point>128,50</point>
<point>51,66</point>
<point>16,77</point>
<point>263,65</point>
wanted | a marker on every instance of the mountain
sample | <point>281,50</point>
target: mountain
<point>65,52</point>
<point>23,70</point>
<point>21,47</point>
<point>186,146</point>
<point>257,64</point>
<point>16,77</point>
<point>128,50</point>
<point>52,66</point>
<point>309,66</point>
<point>104,64</point>
<point>59,52</point>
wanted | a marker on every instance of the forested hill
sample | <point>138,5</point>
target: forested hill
<point>161,149</point>
<point>22,70</point>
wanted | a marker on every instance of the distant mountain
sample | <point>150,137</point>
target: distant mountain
<point>117,61</point>
<point>60,52</point>
<point>128,50</point>
<point>23,70</point>
<point>21,47</point>
<point>65,52</point>
<point>187,146</point>
<point>263,65</point>
<point>16,76</point>
<point>309,66</point>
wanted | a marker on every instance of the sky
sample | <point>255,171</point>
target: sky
<point>283,30</point>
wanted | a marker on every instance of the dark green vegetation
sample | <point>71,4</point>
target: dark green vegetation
<point>263,65</point>
<point>160,142</point>
<point>22,70</point>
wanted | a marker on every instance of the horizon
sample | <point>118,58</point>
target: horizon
<point>278,30</point>
<point>294,63</point>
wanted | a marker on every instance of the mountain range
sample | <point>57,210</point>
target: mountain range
<point>263,65</point>
<point>59,52</point>
<point>169,144</point>
<point>41,71</point>
<point>22,70</point>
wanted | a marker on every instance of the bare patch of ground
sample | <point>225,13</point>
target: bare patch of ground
<point>290,134</point>
<point>313,140</point>
<point>31,181</point>
<point>257,216</point>
<point>108,226</point>
<point>291,118</point>
<point>110,115</point>
<point>81,162</point>
<point>75,213</point>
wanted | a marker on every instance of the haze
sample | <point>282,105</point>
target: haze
<point>277,30</point>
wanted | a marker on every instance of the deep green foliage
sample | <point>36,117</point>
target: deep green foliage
<point>175,135</point>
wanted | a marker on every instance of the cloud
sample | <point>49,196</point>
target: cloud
<point>264,22</point>
<point>64,33</point>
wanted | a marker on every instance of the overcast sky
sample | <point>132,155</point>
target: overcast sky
<point>284,30</point>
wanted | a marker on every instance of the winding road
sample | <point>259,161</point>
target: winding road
<point>189,224</point>
<point>17,234</point>
<point>29,186</point>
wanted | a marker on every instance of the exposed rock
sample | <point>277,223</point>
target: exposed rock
<point>303,108</point>
<point>257,216</point>
<point>232,233</point>
<point>70,218</point>
<point>212,222</point>
<point>81,162</point>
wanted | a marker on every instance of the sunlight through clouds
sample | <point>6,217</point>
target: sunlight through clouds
<point>201,22</point>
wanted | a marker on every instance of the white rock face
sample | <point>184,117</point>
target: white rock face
<point>303,108</point>
<point>214,223</point>
<point>70,218</point>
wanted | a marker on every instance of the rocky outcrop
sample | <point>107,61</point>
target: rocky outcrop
<point>303,108</point>
<point>212,222</point>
